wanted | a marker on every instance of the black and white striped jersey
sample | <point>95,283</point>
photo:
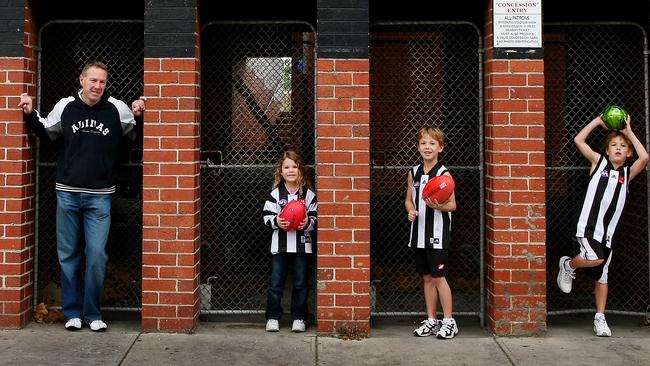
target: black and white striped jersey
<point>432,229</point>
<point>603,202</point>
<point>299,241</point>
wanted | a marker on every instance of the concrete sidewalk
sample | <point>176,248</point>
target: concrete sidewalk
<point>569,341</point>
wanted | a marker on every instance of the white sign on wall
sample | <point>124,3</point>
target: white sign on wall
<point>517,23</point>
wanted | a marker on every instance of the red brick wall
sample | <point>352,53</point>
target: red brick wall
<point>17,177</point>
<point>515,193</point>
<point>171,194</point>
<point>343,171</point>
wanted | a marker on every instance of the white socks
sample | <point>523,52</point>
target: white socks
<point>567,266</point>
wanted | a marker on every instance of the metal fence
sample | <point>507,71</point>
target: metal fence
<point>425,74</point>
<point>258,100</point>
<point>257,94</point>
<point>587,67</point>
<point>65,46</point>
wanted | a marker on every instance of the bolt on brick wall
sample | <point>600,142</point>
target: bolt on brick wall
<point>171,207</point>
<point>515,194</point>
<point>343,171</point>
<point>17,177</point>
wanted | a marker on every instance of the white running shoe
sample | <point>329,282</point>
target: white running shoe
<point>298,325</point>
<point>601,329</point>
<point>73,324</point>
<point>98,326</point>
<point>564,277</point>
<point>448,329</point>
<point>272,325</point>
<point>427,328</point>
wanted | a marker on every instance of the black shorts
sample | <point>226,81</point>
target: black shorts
<point>430,261</point>
<point>591,249</point>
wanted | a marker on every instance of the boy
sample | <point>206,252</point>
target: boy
<point>601,208</point>
<point>430,234</point>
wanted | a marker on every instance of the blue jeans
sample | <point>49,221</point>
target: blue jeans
<point>280,266</point>
<point>87,216</point>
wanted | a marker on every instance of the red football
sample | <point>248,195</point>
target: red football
<point>294,212</point>
<point>439,188</point>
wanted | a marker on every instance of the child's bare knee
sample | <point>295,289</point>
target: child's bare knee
<point>437,280</point>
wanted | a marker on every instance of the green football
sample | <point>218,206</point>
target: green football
<point>614,117</point>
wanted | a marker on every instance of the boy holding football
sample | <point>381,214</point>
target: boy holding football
<point>431,234</point>
<point>600,210</point>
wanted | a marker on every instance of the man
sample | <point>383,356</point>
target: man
<point>91,125</point>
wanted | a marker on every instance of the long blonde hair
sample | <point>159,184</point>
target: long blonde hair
<point>303,179</point>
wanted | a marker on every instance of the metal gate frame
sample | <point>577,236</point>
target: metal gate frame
<point>481,168</point>
<point>37,159</point>
<point>646,52</point>
<point>207,165</point>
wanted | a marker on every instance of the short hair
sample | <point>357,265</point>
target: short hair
<point>434,132</point>
<point>614,134</point>
<point>97,64</point>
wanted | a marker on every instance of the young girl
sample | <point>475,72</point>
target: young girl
<point>430,234</point>
<point>600,210</point>
<point>291,183</point>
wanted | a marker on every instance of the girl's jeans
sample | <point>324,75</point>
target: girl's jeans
<point>280,265</point>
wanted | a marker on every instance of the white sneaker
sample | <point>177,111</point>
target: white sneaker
<point>601,329</point>
<point>298,325</point>
<point>564,277</point>
<point>272,325</point>
<point>448,329</point>
<point>98,326</point>
<point>427,328</point>
<point>73,324</point>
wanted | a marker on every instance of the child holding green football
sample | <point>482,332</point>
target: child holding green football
<point>601,208</point>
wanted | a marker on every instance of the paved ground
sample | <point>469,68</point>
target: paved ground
<point>569,341</point>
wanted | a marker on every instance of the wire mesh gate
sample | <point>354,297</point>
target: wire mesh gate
<point>65,46</point>
<point>425,74</point>
<point>257,101</point>
<point>587,67</point>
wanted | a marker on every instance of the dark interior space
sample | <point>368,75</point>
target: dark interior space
<point>597,10</point>
<point>45,11</point>
<point>291,10</point>
<point>408,10</point>
<point>412,10</point>
<point>553,11</point>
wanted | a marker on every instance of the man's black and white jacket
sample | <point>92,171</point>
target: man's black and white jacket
<point>91,137</point>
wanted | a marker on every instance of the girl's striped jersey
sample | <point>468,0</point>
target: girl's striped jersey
<point>603,202</point>
<point>299,241</point>
<point>432,229</point>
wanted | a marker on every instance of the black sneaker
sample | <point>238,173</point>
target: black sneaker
<point>427,328</point>
<point>448,329</point>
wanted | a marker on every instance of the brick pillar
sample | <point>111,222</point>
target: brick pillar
<point>343,196</point>
<point>343,168</point>
<point>171,193</point>
<point>17,175</point>
<point>515,193</point>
